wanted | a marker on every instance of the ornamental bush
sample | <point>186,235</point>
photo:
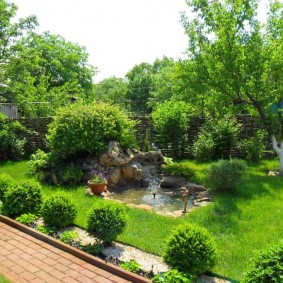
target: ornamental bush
<point>267,265</point>
<point>190,249</point>
<point>107,220</point>
<point>11,139</point>
<point>224,175</point>
<point>80,129</point>
<point>58,211</point>
<point>22,197</point>
<point>180,169</point>
<point>216,139</point>
<point>170,120</point>
<point>5,181</point>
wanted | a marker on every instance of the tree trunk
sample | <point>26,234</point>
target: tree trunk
<point>279,151</point>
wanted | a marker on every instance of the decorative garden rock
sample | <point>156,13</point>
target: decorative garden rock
<point>173,182</point>
<point>115,156</point>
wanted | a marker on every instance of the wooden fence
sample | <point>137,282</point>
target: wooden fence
<point>37,129</point>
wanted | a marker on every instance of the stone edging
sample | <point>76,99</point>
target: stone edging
<point>75,252</point>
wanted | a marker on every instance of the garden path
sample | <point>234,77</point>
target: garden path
<point>29,256</point>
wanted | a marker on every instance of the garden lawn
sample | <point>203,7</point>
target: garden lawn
<point>241,223</point>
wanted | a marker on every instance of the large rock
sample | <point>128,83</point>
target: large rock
<point>114,175</point>
<point>115,156</point>
<point>132,172</point>
<point>151,157</point>
<point>173,182</point>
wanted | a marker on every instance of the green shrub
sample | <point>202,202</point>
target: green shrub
<point>224,175</point>
<point>45,230</point>
<point>5,181</point>
<point>68,237</point>
<point>58,211</point>
<point>216,139</point>
<point>190,249</point>
<point>93,249</point>
<point>131,266</point>
<point>27,219</point>
<point>70,175</point>
<point>80,129</point>
<point>11,139</point>
<point>253,148</point>
<point>107,220</point>
<point>181,169</point>
<point>22,197</point>
<point>170,121</point>
<point>173,276</point>
<point>267,265</point>
<point>203,147</point>
<point>39,162</point>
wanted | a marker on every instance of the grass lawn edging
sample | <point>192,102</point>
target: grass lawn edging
<point>75,252</point>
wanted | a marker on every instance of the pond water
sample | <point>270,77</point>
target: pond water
<point>160,199</point>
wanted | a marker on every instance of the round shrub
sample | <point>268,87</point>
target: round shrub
<point>80,129</point>
<point>267,265</point>
<point>22,197</point>
<point>107,220</point>
<point>58,211</point>
<point>5,181</point>
<point>203,147</point>
<point>224,175</point>
<point>190,249</point>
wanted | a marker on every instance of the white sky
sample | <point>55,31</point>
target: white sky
<point>117,34</point>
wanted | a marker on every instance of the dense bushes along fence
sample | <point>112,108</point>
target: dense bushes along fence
<point>144,132</point>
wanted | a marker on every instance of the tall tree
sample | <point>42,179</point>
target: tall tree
<point>237,59</point>
<point>10,32</point>
<point>49,68</point>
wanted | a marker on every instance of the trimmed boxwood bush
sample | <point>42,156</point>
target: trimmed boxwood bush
<point>5,181</point>
<point>22,197</point>
<point>82,129</point>
<point>58,211</point>
<point>190,249</point>
<point>267,265</point>
<point>224,175</point>
<point>107,220</point>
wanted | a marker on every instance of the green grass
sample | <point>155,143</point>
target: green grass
<point>241,223</point>
<point>4,279</point>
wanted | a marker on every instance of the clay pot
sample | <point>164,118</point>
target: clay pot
<point>96,189</point>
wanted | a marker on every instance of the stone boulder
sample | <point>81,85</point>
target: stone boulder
<point>115,155</point>
<point>150,157</point>
<point>173,182</point>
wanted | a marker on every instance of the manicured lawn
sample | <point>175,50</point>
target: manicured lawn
<point>241,223</point>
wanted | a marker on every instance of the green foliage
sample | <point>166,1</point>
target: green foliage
<point>131,266</point>
<point>22,197</point>
<point>216,139</point>
<point>253,148</point>
<point>93,249</point>
<point>224,175</point>
<point>45,229</point>
<point>5,181</point>
<point>71,175</point>
<point>190,249</point>
<point>58,211</point>
<point>80,129</point>
<point>203,147</point>
<point>107,220</point>
<point>27,219</point>
<point>173,276</point>
<point>39,162</point>
<point>171,123</point>
<point>11,142</point>
<point>267,265</point>
<point>68,237</point>
<point>181,169</point>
